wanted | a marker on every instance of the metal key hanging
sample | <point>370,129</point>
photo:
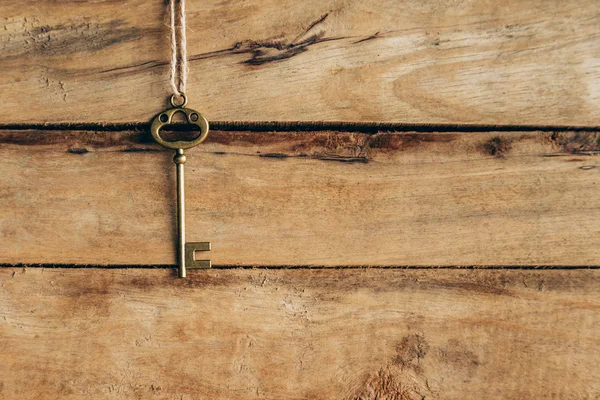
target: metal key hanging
<point>186,252</point>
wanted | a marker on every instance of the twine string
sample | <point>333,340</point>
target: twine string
<point>179,67</point>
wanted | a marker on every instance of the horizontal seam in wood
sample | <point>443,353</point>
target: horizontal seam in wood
<point>284,126</point>
<point>311,267</point>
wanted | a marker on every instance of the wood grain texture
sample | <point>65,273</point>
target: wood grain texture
<point>305,198</point>
<point>299,334</point>
<point>533,62</point>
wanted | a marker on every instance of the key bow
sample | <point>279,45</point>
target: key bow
<point>165,118</point>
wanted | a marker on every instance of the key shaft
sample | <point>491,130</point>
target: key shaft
<point>179,160</point>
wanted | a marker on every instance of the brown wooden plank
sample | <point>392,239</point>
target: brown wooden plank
<point>471,61</point>
<point>299,334</point>
<point>304,198</point>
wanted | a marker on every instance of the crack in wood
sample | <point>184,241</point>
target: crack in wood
<point>262,51</point>
<point>373,36</point>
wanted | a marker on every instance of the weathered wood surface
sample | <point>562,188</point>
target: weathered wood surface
<point>305,198</point>
<point>512,62</point>
<point>299,334</point>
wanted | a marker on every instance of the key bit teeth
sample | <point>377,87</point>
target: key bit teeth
<point>190,255</point>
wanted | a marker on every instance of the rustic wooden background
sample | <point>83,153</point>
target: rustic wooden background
<point>402,199</point>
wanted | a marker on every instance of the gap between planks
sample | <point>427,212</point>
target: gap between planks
<point>311,267</point>
<point>314,126</point>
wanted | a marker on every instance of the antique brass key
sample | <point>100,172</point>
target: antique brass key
<point>186,252</point>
